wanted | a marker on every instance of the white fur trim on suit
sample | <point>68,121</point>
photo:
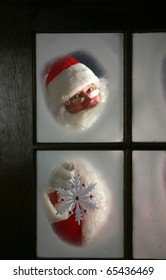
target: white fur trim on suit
<point>95,221</point>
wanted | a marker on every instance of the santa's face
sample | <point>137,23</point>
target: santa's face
<point>86,98</point>
<point>83,109</point>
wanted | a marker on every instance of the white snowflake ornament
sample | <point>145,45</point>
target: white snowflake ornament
<point>76,198</point>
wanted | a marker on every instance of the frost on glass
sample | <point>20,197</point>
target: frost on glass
<point>149,87</point>
<point>149,205</point>
<point>82,200</point>
<point>101,53</point>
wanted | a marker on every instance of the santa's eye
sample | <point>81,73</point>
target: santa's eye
<point>90,89</point>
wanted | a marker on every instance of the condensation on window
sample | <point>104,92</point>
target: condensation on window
<point>105,53</point>
<point>149,87</point>
<point>109,164</point>
<point>149,204</point>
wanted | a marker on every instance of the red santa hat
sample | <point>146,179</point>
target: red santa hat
<point>66,77</point>
<point>77,203</point>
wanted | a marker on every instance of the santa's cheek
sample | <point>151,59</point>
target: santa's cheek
<point>97,99</point>
<point>91,102</point>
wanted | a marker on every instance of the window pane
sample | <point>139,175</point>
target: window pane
<point>149,87</point>
<point>149,202</point>
<point>103,54</point>
<point>108,244</point>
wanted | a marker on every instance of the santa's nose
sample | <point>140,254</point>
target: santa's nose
<point>84,93</point>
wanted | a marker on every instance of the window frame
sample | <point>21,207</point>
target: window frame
<point>126,145</point>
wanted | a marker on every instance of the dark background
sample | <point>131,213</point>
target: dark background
<point>19,21</point>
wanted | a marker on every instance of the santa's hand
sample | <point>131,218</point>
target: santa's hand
<point>61,175</point>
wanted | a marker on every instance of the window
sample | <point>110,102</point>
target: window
<point>127,144</point>
<point>130,46</point>
<point>86,48</point>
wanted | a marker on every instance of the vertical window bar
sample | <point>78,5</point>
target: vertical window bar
<point>127,87</point>
<point>128,217</point>
<point>128,209</point>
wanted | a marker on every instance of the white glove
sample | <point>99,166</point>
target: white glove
<point>61,175</point>
<point>58,178</point>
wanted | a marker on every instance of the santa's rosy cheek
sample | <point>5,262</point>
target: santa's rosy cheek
<point>97,98</point>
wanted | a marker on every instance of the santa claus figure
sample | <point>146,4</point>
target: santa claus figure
<point>77,203</point>
<point>76,94</point>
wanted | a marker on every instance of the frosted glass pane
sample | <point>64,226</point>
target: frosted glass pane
<point>106,56</point>
<point>149,87</point>
<point>149,202</point>
<point>108,245</point>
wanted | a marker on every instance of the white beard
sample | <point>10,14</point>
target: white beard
<point>85,119</point>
